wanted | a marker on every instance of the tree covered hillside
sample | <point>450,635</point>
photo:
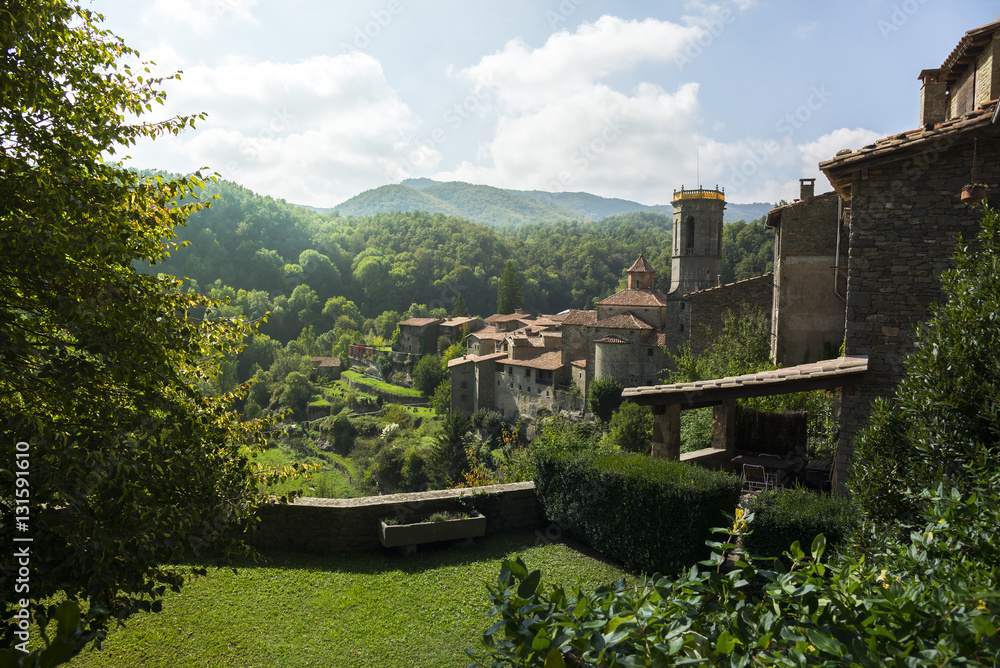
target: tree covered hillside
<point>390,261</point>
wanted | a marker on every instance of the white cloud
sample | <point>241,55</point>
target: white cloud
<point>560,126</point>
<point>826,146</point>
<point>318,131</point>
<point>199,18</point>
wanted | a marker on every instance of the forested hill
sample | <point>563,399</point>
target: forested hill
<point>511,208</point>
<point>295,261</point>
<point>479,204</point>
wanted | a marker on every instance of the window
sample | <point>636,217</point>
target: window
<point>689,232</point>
<point>649,353</point>
<point>682,327</point>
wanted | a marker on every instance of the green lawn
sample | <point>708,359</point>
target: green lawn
<point>369,610</point>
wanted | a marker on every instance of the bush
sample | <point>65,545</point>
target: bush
<point>631,428</point>
<point>944,421</point>
<point>650,514</point>
<point>784,516</point>
<point>605,397</point>
<point>427,375</point>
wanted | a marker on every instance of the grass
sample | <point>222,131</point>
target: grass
<point>387,388</point>
<point>368,610</point>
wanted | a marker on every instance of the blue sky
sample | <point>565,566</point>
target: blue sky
<point>315,102</point>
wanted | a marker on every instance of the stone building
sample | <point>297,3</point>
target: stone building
<point>810,281</point>
<point>418,336</point>
<point>904,212</point>
<point>517,363</point>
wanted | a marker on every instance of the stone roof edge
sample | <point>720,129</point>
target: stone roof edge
<point>726,285</point>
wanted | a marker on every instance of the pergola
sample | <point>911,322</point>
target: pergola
<point>668,401</point>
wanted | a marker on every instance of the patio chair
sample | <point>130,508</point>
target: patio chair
<point>755,478</point>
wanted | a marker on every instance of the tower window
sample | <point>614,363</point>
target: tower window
<point>689,232</point>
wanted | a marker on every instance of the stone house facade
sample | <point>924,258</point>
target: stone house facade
<point>904,213</point>
<point>810,278</point>
<point>418,336</point>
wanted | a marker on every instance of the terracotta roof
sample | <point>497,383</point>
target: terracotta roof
<point>655,339</point>
<point>558,317</point>
<point>419,322</point>
<point>623,321</point>
<point>508,317</point>
<point>633,297</point>
<point>325,362</point>
<point>610,339</point>
<point>833,372</point>
<point>455,322</point>
<point>465,359</point>
<point>547,361</point>
<point>641,266</point>
<point>488,333</point>
<point>582,363</point>
<point>545,321</point>
<point>968,47</point>
<point>575,317</point>
<point>726,285</point>
<point>897,147</point>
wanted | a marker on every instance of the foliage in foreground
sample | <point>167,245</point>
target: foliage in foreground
<point>101,366</point>
<point>944,421</point>
<point>937,605</point>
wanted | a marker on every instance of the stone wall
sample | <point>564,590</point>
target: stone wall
<point>906,216</point>
<point>808,318</point>
<point>339,525</point>
<point>708,308</point>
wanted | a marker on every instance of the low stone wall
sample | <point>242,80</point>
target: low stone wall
<point>338,525</point>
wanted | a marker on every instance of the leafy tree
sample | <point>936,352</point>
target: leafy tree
<point>427,374</point>
<point>943,423</point>
<point>605,397</point>
<point>441,401</point>
<point>131,466</point>
<point>458,308</point>
<point>631,428</point>
<point>509,296</point>
<point>296,393</point>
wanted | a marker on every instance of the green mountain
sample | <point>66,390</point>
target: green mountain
<point>505,208</point>
<point>479,204</point>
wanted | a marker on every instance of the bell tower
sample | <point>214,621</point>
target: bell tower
<point>697,251</point>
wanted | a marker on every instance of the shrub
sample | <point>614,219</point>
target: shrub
<point>631,428</point>
<point>605,397</point>
<point>427,375</point>
<point>944,421</point>
<point>651,514</point>
<point>784,516</point>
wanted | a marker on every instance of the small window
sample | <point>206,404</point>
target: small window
<point>649,353</point>
<point>682,306</point>
<point>682,327</point>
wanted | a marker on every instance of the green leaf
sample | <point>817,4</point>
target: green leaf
<point>818,546</point>
<point>68,617</point>
<point>825,643</point>
<point>530,584</point>
<point>725,643</point>
<point>554,659</point>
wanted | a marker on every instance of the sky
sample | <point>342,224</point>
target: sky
<point>315,101</point>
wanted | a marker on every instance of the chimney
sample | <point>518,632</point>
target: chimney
<point>933,98</point>
<point>807,187</point>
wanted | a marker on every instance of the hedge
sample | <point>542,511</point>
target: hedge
<point>652,515</point>
<point>783,516</point>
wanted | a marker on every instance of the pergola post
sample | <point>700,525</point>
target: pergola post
<point>667,431</point>
<point>724,426</point>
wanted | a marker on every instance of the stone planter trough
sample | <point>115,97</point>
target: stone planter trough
<point>416,533</point>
